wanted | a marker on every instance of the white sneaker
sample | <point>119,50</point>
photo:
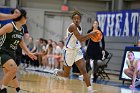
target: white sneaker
<point>20,91</point>
<point>55,72</point>
<point>90,89</point>
<point>45,70</point>
<point>80,77</point>
<point>56,76</point>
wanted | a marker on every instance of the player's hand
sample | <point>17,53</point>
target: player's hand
<point>132,87</point>
<point>32,56</point>
<point>93,33</point>
<point>16,13</point>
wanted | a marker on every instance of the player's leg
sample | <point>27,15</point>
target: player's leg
<point>129,72</point>
<point>10,69</point>
<point>80,62</point>
<point>15,83</point>
<point>3,87</point>
<point>68,62</point>
<point>81,65</point>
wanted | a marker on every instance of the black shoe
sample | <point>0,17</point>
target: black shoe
<point>95,78</point>
<point>3,90</point>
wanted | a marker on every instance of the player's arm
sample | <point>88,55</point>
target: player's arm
<point>26,50</point>
<point>10,16</point>
<point>81,38</point>
<point>135,74</point>
<point>6,29</point>
<point>134,78</point>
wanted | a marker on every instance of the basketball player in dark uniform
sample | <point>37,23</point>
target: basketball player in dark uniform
<point>12,37</point>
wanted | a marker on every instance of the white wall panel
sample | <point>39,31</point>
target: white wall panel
<point>35,22</point>
<point>56,26</point>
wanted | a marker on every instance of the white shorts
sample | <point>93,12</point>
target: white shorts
<point>71,56</point>
<point>51,60</point>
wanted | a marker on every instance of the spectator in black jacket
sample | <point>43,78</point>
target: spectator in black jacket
<point>94,51</point>
<point>4,16</point>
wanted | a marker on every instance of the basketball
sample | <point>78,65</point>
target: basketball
<point>97,37</point>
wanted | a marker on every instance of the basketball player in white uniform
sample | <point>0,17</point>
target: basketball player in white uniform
<point>72,51</point>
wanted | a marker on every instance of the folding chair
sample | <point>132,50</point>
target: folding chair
<point>102,64</point>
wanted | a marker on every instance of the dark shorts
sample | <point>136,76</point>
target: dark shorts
<point>6,56</point>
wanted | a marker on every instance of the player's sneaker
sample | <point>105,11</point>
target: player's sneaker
<point>90,89</point>
<point>55,72</point>
<point>3,90</point>
<point>20,91</point>
<point>56,76</point>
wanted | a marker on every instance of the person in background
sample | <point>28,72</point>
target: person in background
<point>27,60</point>
<point>50,58</point>
<point>44,52</point>
<point>94,51</point>
<point>59,55</point>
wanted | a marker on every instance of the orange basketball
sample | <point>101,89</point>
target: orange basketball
<point>97,37</point>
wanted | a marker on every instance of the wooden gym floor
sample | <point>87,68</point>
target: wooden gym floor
<point>38,82</point>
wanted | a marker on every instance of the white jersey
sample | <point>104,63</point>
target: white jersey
<point>71,41</point>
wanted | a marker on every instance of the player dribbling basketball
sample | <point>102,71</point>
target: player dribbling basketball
<point>72,52</point>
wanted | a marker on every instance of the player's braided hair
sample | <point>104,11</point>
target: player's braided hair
<point>76,13</point>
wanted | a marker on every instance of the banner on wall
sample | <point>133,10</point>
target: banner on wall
<point>6,11</point>
<point>121,23</point>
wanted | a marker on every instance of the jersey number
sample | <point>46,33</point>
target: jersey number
<point>16,42</point>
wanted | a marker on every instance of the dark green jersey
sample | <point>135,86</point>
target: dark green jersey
<point>12,39</point>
